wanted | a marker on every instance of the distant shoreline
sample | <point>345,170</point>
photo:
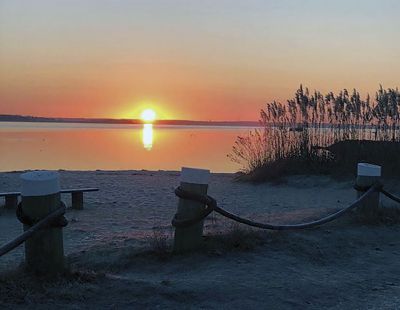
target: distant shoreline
<point>35,119</point>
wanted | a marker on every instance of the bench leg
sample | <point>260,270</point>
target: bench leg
<point>77,200</point>
<point>11,202</point>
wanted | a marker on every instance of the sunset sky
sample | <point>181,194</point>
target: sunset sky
<point>199,60</point>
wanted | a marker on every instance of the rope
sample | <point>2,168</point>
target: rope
<point>386,193</point>
<point>359,188</point>
<point>43,223</point>
<point>210,203</point>
<point>391,196</point>
<point>61,221</point>
<point>205,199</point>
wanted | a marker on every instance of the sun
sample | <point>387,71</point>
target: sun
<point>148,115</point>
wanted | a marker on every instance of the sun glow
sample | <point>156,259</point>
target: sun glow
<point>148,115</point>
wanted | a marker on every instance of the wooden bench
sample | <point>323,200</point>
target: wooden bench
<point>77,196</point>
<point>11,198</point>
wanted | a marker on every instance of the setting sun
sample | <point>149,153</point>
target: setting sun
<point>148,115</point>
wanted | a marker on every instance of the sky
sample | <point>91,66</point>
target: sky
<point>189,59</point>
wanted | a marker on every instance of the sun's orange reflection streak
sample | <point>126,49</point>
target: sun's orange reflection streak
<point>147,136</point>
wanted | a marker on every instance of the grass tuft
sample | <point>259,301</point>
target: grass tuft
<point>160,243</point>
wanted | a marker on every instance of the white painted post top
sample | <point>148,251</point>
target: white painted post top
<point>369,170</point>
<point>40,183</point>
<point>195,176</point>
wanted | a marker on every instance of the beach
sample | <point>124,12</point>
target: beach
<point>341,265</point>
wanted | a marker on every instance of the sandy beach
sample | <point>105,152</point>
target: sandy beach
<point>343,265</point>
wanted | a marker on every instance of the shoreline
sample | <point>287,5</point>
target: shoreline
<point>107,121</point>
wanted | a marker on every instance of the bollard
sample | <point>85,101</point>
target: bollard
<point>190,238</point>
<point>368,175</point>
<point>44,251</point>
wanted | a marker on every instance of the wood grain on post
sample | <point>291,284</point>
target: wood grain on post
<point>368,175</point>
<point>190,238</point>
<point>44,252</point>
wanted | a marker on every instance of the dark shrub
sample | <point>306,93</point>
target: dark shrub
<point>300,136</point>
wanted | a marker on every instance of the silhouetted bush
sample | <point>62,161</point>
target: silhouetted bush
<point>294,137</point>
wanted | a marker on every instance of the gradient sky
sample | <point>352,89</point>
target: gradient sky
<point>208,59</point>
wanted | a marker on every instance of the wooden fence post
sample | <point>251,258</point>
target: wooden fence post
<point>368,175</point>
<point>190,238</point>
<point>44,252</point>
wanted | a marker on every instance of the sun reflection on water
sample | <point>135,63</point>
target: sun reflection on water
<point>147,136</point>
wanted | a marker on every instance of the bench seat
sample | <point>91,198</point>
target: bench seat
<point>11,198</point>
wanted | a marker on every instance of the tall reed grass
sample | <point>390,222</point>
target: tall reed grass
<point>295,129</point>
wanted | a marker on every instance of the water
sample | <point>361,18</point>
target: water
<point>70,146</point>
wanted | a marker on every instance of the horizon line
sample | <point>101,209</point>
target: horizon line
<point>19,117</point>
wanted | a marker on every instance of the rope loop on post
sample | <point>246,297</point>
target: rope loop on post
<point>210,203</point>
<point>378,186</point>
<point>46,222</point>
<point>359,188</point>
<point>60,221</point>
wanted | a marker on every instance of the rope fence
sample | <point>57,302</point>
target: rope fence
<point>56,218</point>
<point>53,219</point>
<point>211,205</point>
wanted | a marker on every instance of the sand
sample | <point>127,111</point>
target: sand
<point>343,265</point>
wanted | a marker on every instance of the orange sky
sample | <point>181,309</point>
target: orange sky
<point>200,60</point>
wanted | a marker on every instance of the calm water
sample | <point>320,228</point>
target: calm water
<point>115,147</point>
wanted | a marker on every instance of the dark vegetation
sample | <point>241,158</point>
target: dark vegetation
<point>24,289</point>
<point>322,134</point>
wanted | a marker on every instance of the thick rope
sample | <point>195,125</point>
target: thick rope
<point>359,188</point>
<point>391,196</point>
<point>26,220</point>
<point>43,223</point>
<point>213,207</point>
<point>210,203</point>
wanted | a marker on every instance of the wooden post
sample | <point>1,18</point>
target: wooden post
<point>77,200</point>
<point>11,201</point>
<point>190,238</point>
<point>44,252</point>
<point>368,175</point>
